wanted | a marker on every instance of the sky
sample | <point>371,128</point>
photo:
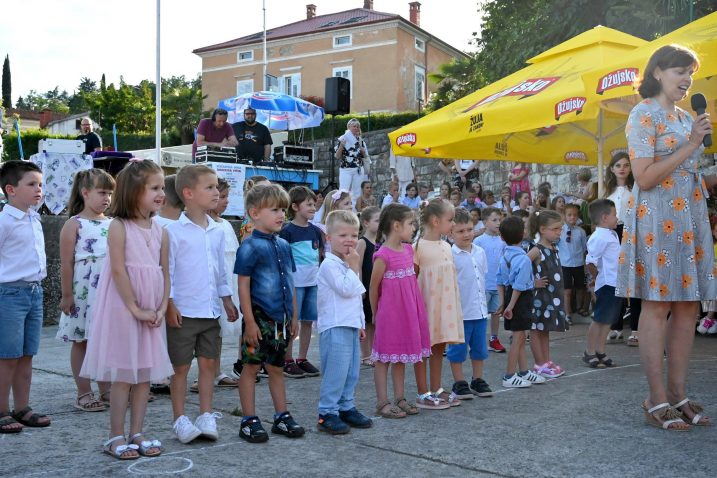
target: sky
<point>57,42</point>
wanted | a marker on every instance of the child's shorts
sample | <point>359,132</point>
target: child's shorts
<point>522,312</point>
<point>475,332</point>
<point>306,302</point>
<point>274,340</point>
<point>196,338</point>
<point>20,319</point>
<point>574,277</point>
<point>492,300</point>
<point>607,307</point>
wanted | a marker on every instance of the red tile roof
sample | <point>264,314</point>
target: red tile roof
<point>321,23</point>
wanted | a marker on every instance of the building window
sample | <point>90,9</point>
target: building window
<point>291,84</point>
<point>342,40</point>
<point>245,86</point>
<point>420,44</point>
<point>345,72</point>
<point>245,56</point>
<point>421,84</point>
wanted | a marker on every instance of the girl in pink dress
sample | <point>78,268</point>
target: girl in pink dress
<point>519,181</point>
<point>401,334</point>
<point>127,344</point>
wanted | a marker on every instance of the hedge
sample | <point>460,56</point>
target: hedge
<point>374,122</point>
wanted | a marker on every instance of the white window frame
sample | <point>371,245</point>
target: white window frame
<point>345,72</point>
<point>293,80</point>
<point>244,60</point>
<point>420,72</point>
<point>242,86</point>
<point>420,44</point>
<point>342,45</point>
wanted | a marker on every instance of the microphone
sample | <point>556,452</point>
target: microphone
<point>699,105</point>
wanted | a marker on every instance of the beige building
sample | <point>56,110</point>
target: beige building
<point>386,57</point>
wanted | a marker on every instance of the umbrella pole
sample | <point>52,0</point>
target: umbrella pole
<point>600,165</point>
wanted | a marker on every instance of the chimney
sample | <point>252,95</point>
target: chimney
<point>45,117</point>
<point>368,4</point>
<point>310,11</point>
<point>415,13</point>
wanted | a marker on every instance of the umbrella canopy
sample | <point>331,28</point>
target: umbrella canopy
<point>540,114</point>
<point>275,110</point>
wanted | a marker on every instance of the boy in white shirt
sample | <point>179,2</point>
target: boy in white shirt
<point>22,267</point>
<point>603,252</point>
<point>198,282</point>
<point>471,269</point>
<point>341,326</point>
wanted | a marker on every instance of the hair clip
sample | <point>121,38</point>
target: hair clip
<point>424,203</point>
<point>135,159</point>
<point>337,195</point>
<point>537,213</point>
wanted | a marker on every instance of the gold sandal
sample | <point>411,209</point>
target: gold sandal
<point>698,419</point>
<point>664,416</point>
<point>388,410</point>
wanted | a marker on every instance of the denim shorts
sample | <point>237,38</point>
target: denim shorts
<point>306,302</point>
<point>492,300</point>
<point>607,307</point>
<point>20,319</point>
<point>476,342</point>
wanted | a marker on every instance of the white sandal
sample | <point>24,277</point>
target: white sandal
<point>664,419</point>
<point>146,445</point>
<point>697,409</point>
<point>119,451</point>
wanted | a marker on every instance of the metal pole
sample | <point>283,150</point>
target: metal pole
<point>600,161</point>
<point>263,7</point>
<point>158,96</point>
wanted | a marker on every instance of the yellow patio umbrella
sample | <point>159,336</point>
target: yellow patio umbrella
<point>540,114</point>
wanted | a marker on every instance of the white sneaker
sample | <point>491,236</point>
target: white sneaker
<point>207,424</point>
<point>515,381</point>
<point>185,430</point>
<point>705,325</point>
<point>713,328</point>
<point>533,378</point>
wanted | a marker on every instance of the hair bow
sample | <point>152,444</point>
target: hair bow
<point>135,160</point>
<point>424,203</point>
<point>337,195</point>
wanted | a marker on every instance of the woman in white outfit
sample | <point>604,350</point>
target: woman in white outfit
<point>354,159</point>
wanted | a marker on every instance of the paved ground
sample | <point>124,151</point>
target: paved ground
<point>588,423</point>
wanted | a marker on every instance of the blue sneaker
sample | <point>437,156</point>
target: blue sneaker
<point>355,418</point>
<point>332,425</point>
<point>284,424</point>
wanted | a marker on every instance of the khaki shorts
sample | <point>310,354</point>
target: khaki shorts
<point>196,338</point>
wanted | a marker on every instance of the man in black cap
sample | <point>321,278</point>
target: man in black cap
<point>254,138</point>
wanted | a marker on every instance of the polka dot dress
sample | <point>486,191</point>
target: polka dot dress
<point>548,308</point>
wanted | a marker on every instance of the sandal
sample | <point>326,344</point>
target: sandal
<point>120,450</point>
<point>664,419</point>
<point>403,404</point>
<point>607,362</point>
<point>633,341</point>
<point>429,401</point>
<point>224,381</point>
<point>450,398</point>
<point>592,361</point>
<point>91,404</point>
<point>145,446</point>
<point>33,421</point>
<point>367,362</point>
<point>105,399</point>
<point>698,418</point>
<point>6,422</point>
<point>194,388</point>
<point>388,410</point>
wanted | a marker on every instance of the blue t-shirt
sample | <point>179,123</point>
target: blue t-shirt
<point>413,203</point>
<point>515,269</point>
<point>306,244</point>
<point>493,246</point>
<point>267,259</point>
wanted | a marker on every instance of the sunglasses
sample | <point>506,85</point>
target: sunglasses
<point>569,235</point>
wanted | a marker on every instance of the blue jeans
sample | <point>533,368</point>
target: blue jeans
<point>340,363</point>
<point>20,319</point>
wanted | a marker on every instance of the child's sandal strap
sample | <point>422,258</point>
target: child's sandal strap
<point>695,407</point>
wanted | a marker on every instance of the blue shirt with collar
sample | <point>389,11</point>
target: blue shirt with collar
<point>572,254</point>
<point>515,269</point>
<point>268,261</point>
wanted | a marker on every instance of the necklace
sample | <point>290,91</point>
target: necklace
<point>146,233</point>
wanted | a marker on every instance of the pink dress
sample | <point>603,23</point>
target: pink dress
<point>401,323</point>
<point>121,348</point>
<point>521,184</point>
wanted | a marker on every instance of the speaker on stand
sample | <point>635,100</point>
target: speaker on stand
<point>337,101</point>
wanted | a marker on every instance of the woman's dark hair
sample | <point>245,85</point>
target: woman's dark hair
<point>393,212</point>
<point>545,192</point>
<point>611,179</point>
<point>364,183</point>
<point>668,56</point>
<point>542,218</point>
<point>554,202</point>
<point>519,195</point>
<point>87,179</point>
<point>411,186</point>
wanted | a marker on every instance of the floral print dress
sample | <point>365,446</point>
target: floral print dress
<point>667,248</point>
<point>90,253</point>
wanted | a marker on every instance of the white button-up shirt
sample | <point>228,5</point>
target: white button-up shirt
<point>22,246</point>
<point>196,268</point>
<point>603,251</point>
<point>471,269</point>
<point>339,292</point>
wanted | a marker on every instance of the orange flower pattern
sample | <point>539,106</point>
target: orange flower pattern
<point>667,249</point>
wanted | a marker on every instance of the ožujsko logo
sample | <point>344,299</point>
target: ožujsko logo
<point>576,156</point>
<point>617,78</point>
<point>529,87</point>
<point>406,138</point>
<point>569,105</point>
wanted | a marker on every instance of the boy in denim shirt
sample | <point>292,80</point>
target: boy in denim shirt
<point>265,267</point>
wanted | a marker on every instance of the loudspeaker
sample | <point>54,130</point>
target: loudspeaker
<point>337,97</point>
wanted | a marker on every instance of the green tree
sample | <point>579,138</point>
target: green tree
<point>78,101</point>
<point>181,107</point>
<point>53,100</point>
<point>6,83</point>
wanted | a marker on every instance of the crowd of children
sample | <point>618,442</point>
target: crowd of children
<point>153,277</point>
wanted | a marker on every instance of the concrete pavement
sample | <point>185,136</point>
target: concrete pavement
<point>588,423</point>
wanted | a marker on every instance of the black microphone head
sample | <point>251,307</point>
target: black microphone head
<point>698,102</point>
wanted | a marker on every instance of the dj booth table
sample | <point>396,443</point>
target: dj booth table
<point>307,177</point>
